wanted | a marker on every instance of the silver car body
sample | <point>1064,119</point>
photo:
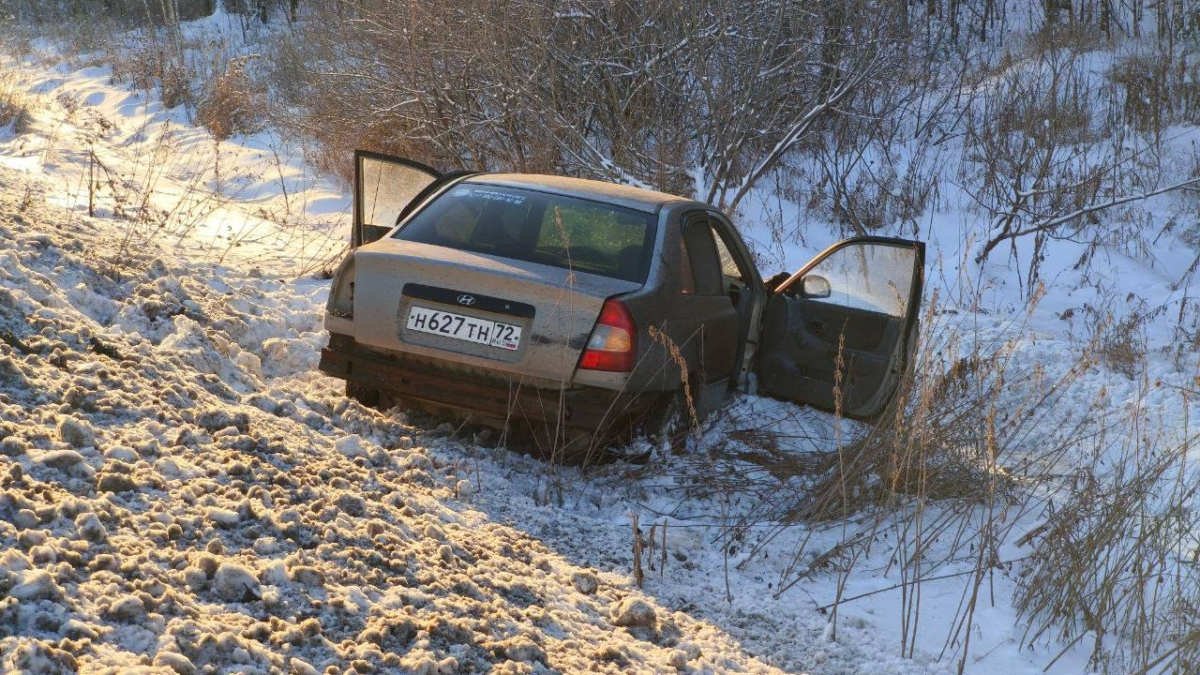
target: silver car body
<point>695,310</point>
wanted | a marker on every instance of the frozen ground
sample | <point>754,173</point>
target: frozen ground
<point>181,492</point>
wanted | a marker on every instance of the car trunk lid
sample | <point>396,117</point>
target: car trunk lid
<point>525,319</point>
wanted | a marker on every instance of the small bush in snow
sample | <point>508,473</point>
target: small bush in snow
<point>232,104</point>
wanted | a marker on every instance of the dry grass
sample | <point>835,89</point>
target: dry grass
<point>1124,347</point>
<point>1117,559</point>
<point>1157,88</point>
<point>14,107</point>
<point>979,472</point>
<point>967,453</point>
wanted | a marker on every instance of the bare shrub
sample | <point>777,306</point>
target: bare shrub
<point>634,92</point>
<point>140,67</point>
<point>1073,36</point>
<point>285,70</point>
<point>868,189</point>
<point>175,86</point>
<point>1144,81</point>
<point>1042,165</point>
<point>1124,347</point>
<point>232,104</point>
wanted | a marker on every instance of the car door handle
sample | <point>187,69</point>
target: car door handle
<point>817,327</point>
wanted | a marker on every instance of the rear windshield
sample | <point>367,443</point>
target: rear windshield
<point>537,227</point>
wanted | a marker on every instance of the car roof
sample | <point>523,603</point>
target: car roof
<point>621,195</point>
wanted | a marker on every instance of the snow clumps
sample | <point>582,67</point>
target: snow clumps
<point>164,507</point>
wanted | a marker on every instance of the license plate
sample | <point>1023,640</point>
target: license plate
<point>467,328</point>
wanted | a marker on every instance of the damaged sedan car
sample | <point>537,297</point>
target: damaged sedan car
<point>590,312</point>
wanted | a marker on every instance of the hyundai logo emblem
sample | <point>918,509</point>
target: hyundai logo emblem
<point>466,300</point>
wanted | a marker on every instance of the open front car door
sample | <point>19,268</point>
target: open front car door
<point>839,334</point>
<point>384,188</point>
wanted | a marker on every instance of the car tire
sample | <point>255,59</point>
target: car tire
<point>670,423</point>
<point>579,447</point>
<point>368,396</point>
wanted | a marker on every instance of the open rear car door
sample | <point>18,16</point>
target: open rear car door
<point>384,188</point>
<point>839,333</point>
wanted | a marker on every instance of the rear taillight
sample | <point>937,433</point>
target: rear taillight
<point>613,343</point>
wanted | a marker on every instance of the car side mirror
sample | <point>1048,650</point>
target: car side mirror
<point>816,287</point>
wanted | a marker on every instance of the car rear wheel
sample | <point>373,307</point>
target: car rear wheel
<point>671,431</point>
<point>669,422</point>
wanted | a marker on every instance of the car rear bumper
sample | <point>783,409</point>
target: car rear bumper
<point>427,381</point>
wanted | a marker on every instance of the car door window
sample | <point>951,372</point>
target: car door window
<point>701,253</point>
<point>729,266</point>
<point>387,188</point>
<point>868,277</point>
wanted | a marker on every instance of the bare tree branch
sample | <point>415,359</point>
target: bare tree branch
<point>1057,221</point>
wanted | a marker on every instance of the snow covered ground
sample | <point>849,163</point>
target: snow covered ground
<point>180,491</point>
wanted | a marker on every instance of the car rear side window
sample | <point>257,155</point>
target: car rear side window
<point>702,259</point>
<point>538,227</point>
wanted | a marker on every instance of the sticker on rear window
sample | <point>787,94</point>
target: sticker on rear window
<point>493,195</point>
